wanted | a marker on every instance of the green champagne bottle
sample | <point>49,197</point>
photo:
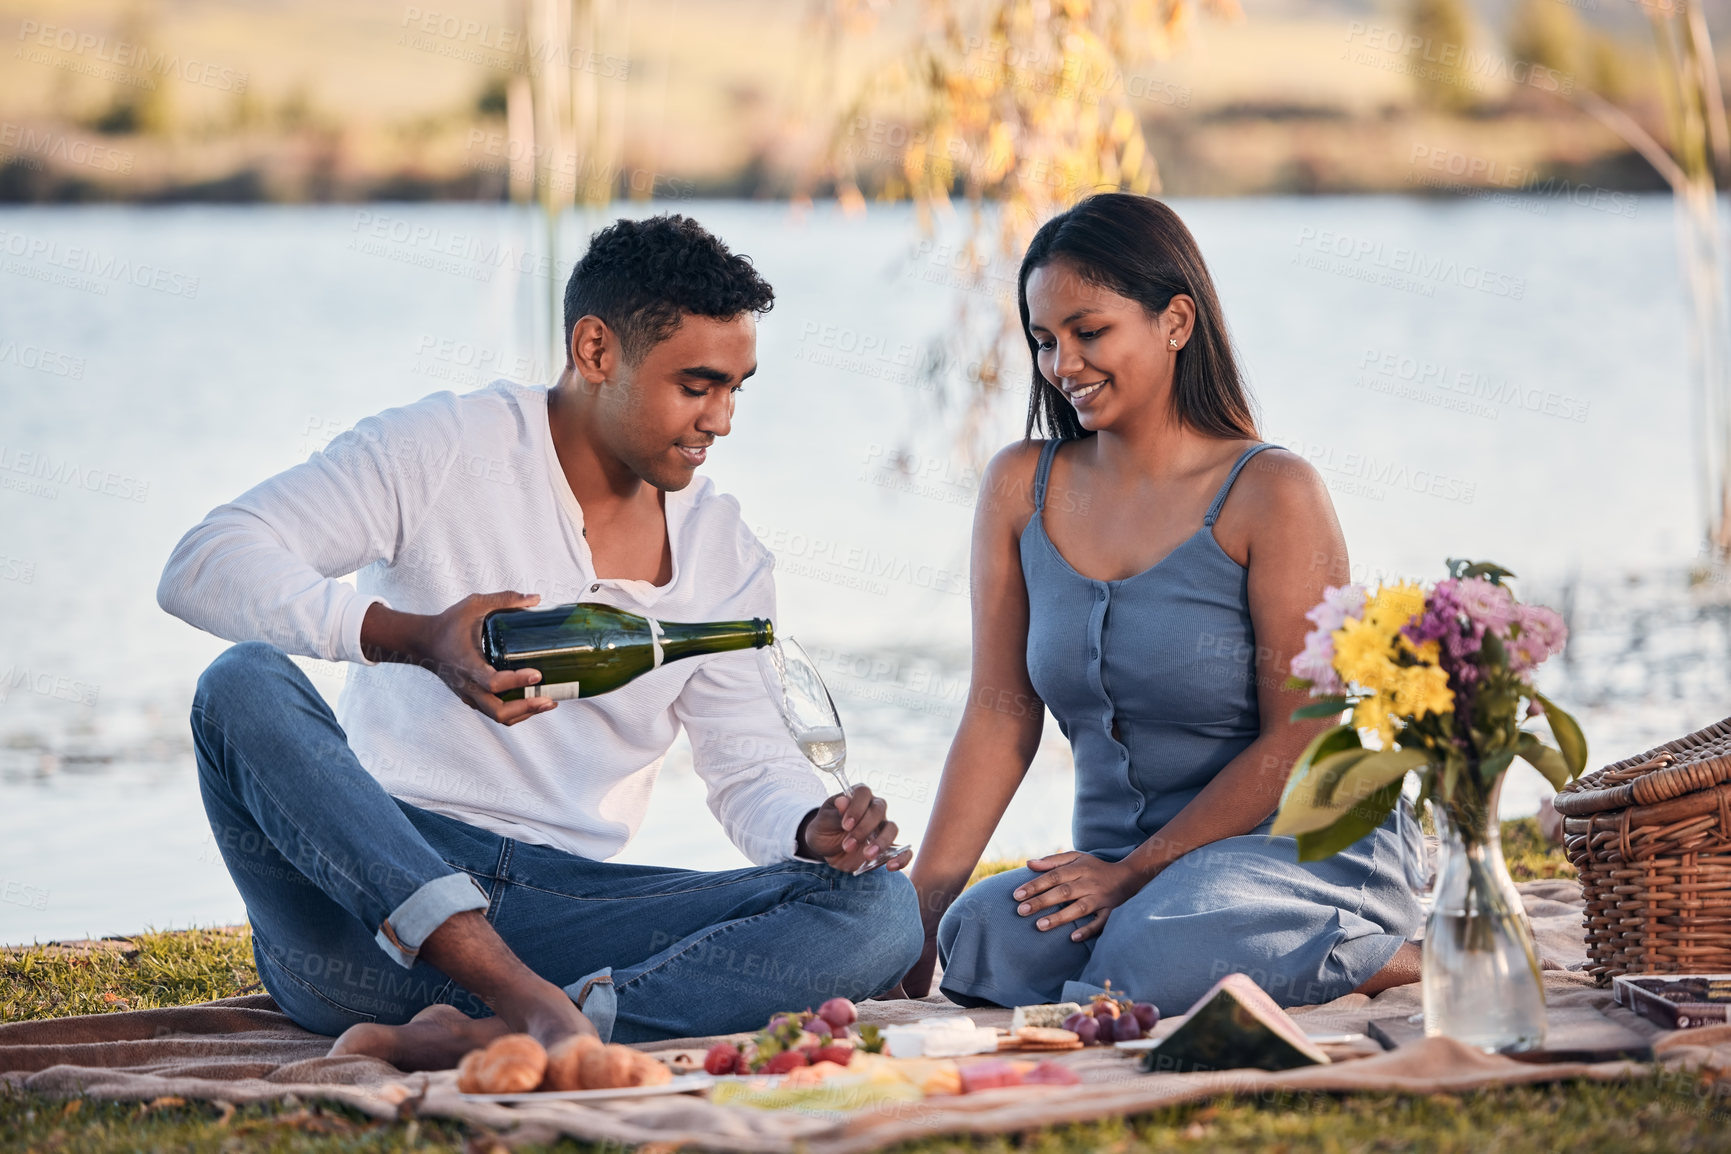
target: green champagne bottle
<point>587,649</point>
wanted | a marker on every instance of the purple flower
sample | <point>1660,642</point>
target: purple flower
<point>1486,603</point>
<point>1538,634</point>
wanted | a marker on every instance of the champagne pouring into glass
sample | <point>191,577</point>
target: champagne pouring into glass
<point>810,715</point>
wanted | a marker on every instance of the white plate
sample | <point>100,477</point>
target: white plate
<point>681,1084</point>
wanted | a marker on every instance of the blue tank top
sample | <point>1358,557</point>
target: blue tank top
<point>1167,657</point>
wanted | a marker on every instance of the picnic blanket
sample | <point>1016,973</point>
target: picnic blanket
<point>243,1050</point>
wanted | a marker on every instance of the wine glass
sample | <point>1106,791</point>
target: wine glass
<point>810,715</point>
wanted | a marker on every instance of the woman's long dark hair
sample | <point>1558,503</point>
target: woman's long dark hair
<point>1137,247</point>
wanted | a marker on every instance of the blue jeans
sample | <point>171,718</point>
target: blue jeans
<point>343,883</point>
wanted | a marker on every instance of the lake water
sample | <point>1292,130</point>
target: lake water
<point>1473,379</point>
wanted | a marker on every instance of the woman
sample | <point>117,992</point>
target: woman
<point>1144,573</point>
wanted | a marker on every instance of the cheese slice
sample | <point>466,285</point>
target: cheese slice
<point>1051,1014</point>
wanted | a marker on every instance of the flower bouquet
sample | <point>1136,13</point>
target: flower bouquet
<point>1442,679</point>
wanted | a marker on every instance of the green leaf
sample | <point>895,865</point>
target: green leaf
<point>1348,784</point>
<point>1352,825</point>
<point>1460,568</point>
<point>1340,737</point>
<point>1571,742</point>
<point>1330,741</point>
<point>1492,765</point>
<point>1544,759</point>
<point>1302,810</point>
<point>1322,707</point>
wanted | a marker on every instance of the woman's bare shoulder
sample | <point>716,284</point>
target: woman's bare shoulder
<point>1007,489</point>
<point>1279,497</point>
<point>1278,481</point>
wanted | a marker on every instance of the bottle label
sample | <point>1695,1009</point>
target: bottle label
<point>558,691</point>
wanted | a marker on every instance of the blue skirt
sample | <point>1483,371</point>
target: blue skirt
<point>1305,932</point>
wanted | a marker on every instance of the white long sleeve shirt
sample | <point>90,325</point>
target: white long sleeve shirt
<point>455,495</point>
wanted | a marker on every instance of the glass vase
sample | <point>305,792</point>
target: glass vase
<point>1480,968</point>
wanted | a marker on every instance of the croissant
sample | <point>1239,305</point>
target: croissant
<point>564,1062</point>
<point>512,1064</point>
<point>649,1071</point>
<point>615,1067</point>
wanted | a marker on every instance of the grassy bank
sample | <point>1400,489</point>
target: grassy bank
<point>163,969</point>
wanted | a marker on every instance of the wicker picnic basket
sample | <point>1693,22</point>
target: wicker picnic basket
<point>1651,838</point>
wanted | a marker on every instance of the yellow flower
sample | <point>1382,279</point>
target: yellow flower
<point>1372,713</point>
<point>1422,689</point>
<point>1362,654</point>
<point>1365,652</point>
<point>1393,606</point>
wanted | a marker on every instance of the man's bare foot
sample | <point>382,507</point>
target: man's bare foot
<point>434,1039</point>
<point>468,949</point>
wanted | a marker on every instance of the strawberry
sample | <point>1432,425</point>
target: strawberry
<point>783,1062</point>
<point>721,1059</point>
<point>840,1055</point>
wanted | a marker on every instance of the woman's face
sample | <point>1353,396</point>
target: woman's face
<point>1103,351</point>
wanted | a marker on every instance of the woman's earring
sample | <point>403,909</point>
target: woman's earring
<point>1173,341</point>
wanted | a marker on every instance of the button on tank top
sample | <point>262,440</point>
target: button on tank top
<point>1168,655</point>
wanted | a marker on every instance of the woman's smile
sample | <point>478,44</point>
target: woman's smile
<point>1081,396</point>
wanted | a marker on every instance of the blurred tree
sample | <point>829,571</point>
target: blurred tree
<point>1019,108</point>
<point>1441,79</point>
<point>1608,71</point>
<point>492,100</point>
<point>1548,33</point>
<point>140,102</point>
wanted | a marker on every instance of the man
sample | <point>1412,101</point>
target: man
<point>439,853</point>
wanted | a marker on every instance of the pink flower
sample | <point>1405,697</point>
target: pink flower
<point>1486,603</point>
<point>1338,603</point>
<point>1316,664</point>
<point>1539,633</point>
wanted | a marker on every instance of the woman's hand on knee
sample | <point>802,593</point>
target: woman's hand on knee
<point>1082,884</point>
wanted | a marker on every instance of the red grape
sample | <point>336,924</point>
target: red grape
<point>1126,1028</point>
<point>838,1012</point>
<point>1147,1014</point>
<point>1084,1026</point>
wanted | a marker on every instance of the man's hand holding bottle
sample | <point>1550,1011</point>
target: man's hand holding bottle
<point>449,645</point>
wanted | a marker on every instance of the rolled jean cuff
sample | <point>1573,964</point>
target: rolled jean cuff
<point>595,995</point>
<point>425,910</point>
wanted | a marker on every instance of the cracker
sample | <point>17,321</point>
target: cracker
<point>1046,1035</point>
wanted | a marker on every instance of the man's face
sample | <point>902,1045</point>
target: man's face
<point>660,417</point>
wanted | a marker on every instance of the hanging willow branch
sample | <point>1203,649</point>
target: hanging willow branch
<point>1017,108</point>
